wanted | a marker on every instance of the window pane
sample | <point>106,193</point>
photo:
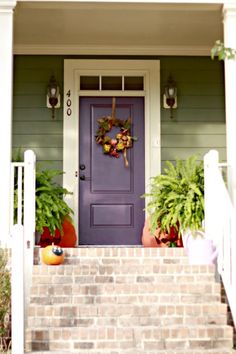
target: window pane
<point>89,82</point>
<point>134,83</point>
<point>112,83</point>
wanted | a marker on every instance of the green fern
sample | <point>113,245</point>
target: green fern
<point>51,209</point>
<point>177,197</point>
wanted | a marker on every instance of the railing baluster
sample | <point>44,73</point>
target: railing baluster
<point>19,196</point>
<point>220,223</point>
<point>22,244</point>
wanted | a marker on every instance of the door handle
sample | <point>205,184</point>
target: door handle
<point>84,178</point>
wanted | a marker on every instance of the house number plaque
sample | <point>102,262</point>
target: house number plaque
<point>68,104</point>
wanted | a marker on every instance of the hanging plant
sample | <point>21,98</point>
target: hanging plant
<point>118,144</point>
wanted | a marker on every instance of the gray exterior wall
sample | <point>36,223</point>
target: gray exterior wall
<point>198,124</point>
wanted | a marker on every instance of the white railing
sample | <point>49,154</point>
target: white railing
<point>22,231</point>
<point>220,224</point>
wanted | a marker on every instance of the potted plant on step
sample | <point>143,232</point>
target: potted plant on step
<point>53,215</point>
<point>177,201</point>
<point>53,222</point>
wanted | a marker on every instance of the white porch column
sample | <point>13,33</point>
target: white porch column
<point>6,60</point>
<point>229,11</point>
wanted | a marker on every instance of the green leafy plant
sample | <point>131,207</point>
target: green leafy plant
<point>51,209</point>
<point>177,197</point>
<point>219,50</point>
<point>5,301</point>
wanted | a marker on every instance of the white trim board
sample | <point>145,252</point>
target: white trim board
<point>73,69</point>
<point>34,49</point>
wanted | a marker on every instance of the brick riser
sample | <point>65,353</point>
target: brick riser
<point>127,300</point>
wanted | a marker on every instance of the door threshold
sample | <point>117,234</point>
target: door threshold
<point>109,246</point>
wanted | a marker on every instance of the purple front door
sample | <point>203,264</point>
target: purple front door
<point>110,207</point>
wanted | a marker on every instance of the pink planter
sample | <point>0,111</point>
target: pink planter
<point>199,249</point>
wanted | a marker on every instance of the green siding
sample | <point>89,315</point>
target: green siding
<point>198,124</point>
<point>199,120</point>
<point>33,126</point>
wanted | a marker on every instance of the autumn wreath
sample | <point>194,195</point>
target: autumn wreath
<point>122,140</point>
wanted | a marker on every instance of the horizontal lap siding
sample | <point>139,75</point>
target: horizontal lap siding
<point>33,127</point>
<point>198,124</point>
<point>199,120</point>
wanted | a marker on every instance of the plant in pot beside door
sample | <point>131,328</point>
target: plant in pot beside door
<point>178,199</point>
<point>160,230</point>
<point>53,215</point>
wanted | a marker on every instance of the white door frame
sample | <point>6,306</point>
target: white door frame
<point>73,69</point>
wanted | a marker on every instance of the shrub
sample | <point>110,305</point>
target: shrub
<point>5,302</point>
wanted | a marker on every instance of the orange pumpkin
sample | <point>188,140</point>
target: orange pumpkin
<point>52,255</point>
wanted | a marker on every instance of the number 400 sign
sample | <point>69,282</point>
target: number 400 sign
<point>68,104</point>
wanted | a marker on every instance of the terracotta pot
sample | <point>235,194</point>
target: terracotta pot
<point>69,237</point>
<point>148,240</point>
<point>200,250</point>
<point>67,240</point>
<point>160,238</point>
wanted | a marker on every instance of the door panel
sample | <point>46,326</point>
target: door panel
<point>110,207</point>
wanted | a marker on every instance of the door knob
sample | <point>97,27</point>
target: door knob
<point>82,167</point>
<point>82,177</point>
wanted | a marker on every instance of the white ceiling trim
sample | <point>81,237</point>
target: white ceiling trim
<point>110,50</point>
<point>137,5</point>
<point>47,2</point>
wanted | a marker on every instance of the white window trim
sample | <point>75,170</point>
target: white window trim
<point>73,69</point>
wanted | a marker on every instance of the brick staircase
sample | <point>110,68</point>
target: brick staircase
<point>127,300</point>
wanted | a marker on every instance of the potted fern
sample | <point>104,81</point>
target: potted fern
<point>53,215</point>
<point>177,200</point>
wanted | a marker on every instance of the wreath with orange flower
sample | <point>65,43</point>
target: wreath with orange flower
<point>114,146</point>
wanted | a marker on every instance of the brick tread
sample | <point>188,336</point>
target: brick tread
<point>128,309</point>
<point>66,297</point>
<point>103,267</point>
<point>148,338</point>
<point>209,351</point>
<point>115,255</point>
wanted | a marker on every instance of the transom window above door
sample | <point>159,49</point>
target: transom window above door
<point>111,83</point>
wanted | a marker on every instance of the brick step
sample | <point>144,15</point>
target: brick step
<point>125,321</point>
<point>99,268</point>
<point>138,351</point>
<point>178,282</point>
<point>66,288</point>
<point>64,295</point>
<point>208,319</point>
<point>116,255</point>
<point>173,280</point>
<point>171,337</point>
<point>126,310</point>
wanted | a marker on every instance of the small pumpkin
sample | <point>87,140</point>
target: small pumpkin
<point>53,255</point>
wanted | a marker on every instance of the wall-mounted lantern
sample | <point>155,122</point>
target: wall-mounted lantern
<point>53,95</point>
<point>170,96</point>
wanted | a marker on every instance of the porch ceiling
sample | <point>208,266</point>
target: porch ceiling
<point>115,28</point>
